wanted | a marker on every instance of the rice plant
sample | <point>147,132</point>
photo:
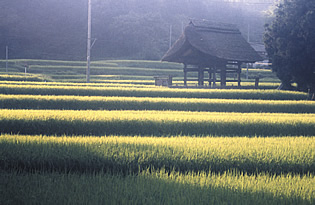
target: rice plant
<point>151,92</point>
<point>146,103</point>
<point>121,154</point>
<point>59,122</point>
<point>158,187</point>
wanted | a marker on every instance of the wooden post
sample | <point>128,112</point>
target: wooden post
<point>256,82</point>
<point>214,76</point>
<point>239,70</point>
<point>170,81</point>
<point>210,75</point>
<point>223,76</point>
<point>185,74</point>
<point>200,76</point>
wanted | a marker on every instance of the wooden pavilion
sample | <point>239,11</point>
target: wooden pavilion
<point>212,47</point>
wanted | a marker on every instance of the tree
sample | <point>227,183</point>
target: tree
<point>132,29</point>
<point>290,44</point>
<point>139,36</point>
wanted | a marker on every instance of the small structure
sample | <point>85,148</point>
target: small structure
<point>216,48</point>
<point>163,81</point>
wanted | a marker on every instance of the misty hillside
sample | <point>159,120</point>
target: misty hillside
<point>133,29</point>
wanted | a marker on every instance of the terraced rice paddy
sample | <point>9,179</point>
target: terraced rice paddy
<point>132,143</point>
<point>150,103</point>
<point>150,92</point>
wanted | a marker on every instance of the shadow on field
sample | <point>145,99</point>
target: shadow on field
<point>83,103</point>
<point>130,159</point>
<point>154,128</point>
<point>61,188</point>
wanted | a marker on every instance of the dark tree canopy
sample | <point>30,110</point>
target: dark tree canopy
<point>290,44</point>
<point>127,29</point>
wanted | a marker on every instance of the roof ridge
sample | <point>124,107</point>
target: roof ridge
<point>206,24</point>
<point>217,30</point>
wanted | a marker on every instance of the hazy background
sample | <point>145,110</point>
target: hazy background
<point>124,29</point>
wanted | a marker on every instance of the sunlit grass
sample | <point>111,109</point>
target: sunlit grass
<point>154,123</point>
<point>147,103</point>
<point>122,154</point>
<point>156,187</point>
<point>151,92</point>
<point>176,170</point>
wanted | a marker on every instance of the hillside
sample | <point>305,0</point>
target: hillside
<point>115,71</point>
<point>137,29</point>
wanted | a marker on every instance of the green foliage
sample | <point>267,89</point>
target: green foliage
<point>110,72</point>
<point>69,70</point>
<point>137,29</point>
<point>131,161</point>
<point>239,170</point>
<point>150,92</point>
<point>20,77</point>
<point>125,155</point>
<point>290,43</point>
<point>155,123</point>
<point>146,103</point>
<point>155,187</point>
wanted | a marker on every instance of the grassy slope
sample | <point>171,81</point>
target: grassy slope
<point>69,102</point>
<point>74,71</point>
<point>151,165</point>
<point>18,185</point>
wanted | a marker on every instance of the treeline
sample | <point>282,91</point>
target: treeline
<point>133,29</point>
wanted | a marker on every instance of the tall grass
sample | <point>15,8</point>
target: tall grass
<point>204,170</point>
<point>150,157</point>
<point>154,123</point>
<point>13,78</point>
<point>107,80</point>
<point>155,187</point>
<point>105,83</point>
<point>151,92</point>
<point>140,103</point>
<point>134,154</point>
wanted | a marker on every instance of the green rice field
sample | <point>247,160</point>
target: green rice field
<point>122,140</point>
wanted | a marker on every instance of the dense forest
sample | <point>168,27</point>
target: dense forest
<point>129,29</point>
